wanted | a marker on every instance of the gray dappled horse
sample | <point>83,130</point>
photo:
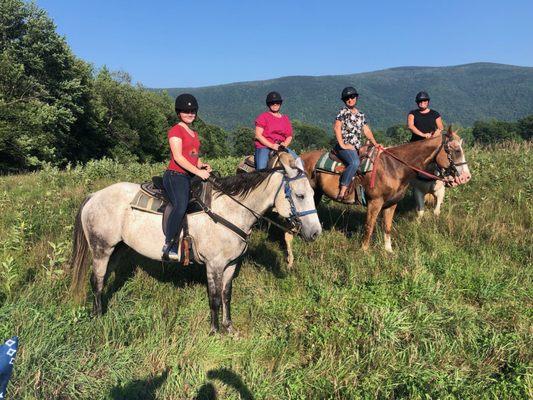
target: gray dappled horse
<point>106,218</point>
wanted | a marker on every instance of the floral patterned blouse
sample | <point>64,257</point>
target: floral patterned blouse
<point>352,126</point>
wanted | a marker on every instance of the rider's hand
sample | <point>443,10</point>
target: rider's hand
<point>203,173</point>
<point>275,146</point>
<point>348,147</point>
<point>207,167</point>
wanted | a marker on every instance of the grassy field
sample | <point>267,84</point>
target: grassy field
<point>449,315</point>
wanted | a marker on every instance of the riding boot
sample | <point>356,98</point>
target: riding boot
<point>170,251</point>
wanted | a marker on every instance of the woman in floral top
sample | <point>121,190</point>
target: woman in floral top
<point>349,124</point>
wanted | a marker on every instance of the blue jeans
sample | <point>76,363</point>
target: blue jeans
<point>351,160</point>
<point>177,187</point>
<point>261,157</point>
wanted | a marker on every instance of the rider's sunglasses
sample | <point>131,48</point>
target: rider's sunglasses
<point>350,97</point>
<point>190,112</point>
<point>275,103</point>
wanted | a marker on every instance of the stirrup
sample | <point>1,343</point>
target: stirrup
<point>360,194</point>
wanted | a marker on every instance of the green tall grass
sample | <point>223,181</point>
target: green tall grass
<point>449,315</point>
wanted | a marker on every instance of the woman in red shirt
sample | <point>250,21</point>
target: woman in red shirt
<point>272,130</point>
<point>184,163</point>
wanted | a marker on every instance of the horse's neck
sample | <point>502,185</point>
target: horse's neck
<point>261,199</point>
<point>418,154</point>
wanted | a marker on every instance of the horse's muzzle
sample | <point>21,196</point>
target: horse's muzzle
<point>461,179</point>
<point>311,236</point>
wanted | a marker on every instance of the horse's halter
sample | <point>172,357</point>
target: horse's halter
<point>451,169</point>
<point>294,217</point>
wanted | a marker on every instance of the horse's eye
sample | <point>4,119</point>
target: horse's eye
<point>300,196</point>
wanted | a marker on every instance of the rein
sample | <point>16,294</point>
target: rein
<point>449,171</point>
<point>294,218</point>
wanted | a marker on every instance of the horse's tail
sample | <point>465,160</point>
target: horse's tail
<point>430,199</point>
<point>79,260</point>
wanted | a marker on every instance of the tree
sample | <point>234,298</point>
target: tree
<point>241,141</point>
<point>213,139</point>
<point>524,127</point>
<point>494,131</point>
<point>133,122</point>
<point>308,137</point>
<point>398,134</point>
<point>42,89</point>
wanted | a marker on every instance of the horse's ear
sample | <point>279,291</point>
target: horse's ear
<point>449,132</point>
<point>288,163</point>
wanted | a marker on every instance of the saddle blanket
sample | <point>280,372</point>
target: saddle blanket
<point>145,202</point>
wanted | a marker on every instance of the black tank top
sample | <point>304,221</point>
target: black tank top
<point>425,123</point>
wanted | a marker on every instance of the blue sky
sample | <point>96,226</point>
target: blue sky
<point>198,43</point>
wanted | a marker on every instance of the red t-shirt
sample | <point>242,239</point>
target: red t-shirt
<point>190,147</point>
<point>276,130</point>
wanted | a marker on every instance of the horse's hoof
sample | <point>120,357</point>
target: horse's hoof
<point>230,330</point>
<point>389,250</point>
<point>213,331</point>
<point>97,310</point>
<point>364,247</point>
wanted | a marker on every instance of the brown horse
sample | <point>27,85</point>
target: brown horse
<point>392,177</point>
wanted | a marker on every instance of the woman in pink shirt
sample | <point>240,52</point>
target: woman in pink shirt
<point>272,130</point>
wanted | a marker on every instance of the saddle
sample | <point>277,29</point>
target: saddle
<point>152,198</point>
<point>366,155</point>
<point>330,163</point>
<point>248,164</point>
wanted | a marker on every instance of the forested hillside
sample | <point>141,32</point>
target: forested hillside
<point>462,94</point>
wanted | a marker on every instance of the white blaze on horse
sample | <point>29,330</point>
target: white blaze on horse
<point>106,218</point>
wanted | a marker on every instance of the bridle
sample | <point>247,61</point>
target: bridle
<point>443,172</point>
<point>451,169</point>
<point>294,217</point>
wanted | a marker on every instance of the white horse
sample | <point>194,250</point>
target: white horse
<point>430,192</point>
<point>106,218</point>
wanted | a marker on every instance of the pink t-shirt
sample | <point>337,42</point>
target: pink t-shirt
<point>275,130</point>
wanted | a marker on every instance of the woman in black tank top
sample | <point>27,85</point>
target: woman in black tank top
<point>423,122</point>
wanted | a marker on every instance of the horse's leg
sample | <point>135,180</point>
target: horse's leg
<point>100,261</point>
<point>290,257</point>
<point>374,207</point>
<point>388,214</point>
<point>214,284</point>
<point>419,199</point>
<point>227,281</point>
<point>439,195</point>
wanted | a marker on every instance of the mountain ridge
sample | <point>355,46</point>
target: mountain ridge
<point>461,93</point>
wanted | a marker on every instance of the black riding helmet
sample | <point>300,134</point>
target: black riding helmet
<point>421,96</point>
<point>348,92</point>
<point>186,102</point>
<point>273,97</point>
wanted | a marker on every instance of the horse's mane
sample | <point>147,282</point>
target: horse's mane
<point>241,184</point>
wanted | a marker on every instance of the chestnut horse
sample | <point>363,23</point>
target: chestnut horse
<point>392,178</point>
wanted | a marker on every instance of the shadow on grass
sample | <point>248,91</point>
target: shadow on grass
<point>227,377</point>
<point>139,389</point>
<point>350,218</point>
<point>125,261</point>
